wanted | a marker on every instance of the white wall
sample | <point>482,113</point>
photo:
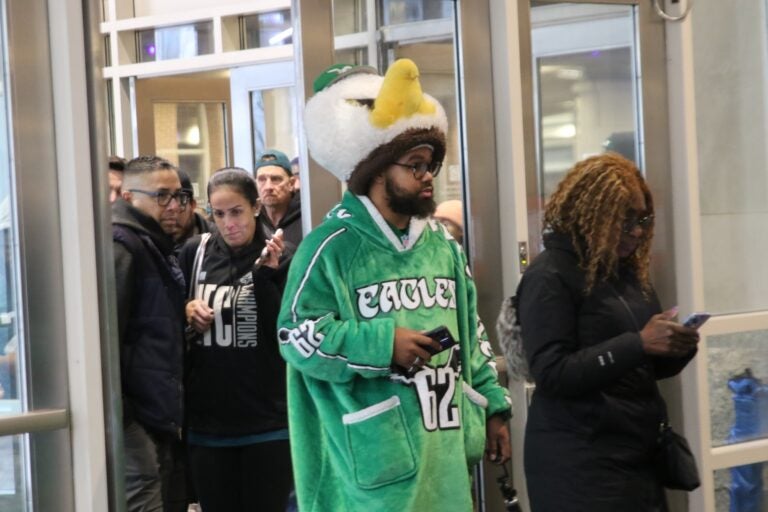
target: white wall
<point>730,66</point>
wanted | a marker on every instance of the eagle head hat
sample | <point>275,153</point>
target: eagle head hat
<point>358,122</point>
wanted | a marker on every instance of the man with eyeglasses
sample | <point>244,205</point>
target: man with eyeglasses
<point>150,299</point>
<point>392,384</point>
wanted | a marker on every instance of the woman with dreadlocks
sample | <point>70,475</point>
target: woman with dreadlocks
<point>596,341</point>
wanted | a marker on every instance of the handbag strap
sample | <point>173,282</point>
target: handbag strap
<point>664,421</point>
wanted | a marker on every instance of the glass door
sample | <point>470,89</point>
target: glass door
<point>264,111</point>
<point>40,450</point>
<point>584,85</point>
<point>591,79</point>
<point>585,71</point>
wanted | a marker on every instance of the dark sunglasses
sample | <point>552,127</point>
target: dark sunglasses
<point>632,222</point>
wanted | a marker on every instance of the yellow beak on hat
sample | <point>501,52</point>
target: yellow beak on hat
<point>400,95</point>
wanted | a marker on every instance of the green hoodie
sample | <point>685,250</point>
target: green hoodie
<point>363,436</point>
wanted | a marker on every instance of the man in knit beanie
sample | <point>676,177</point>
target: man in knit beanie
<point>383,414</point>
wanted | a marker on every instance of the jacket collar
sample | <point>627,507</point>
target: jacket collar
<point>123,213</point>
<point>363,214</point>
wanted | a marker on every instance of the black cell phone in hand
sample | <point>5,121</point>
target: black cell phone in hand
<point>441,335</point>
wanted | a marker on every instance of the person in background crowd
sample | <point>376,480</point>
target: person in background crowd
<point>150,309</point>
<point>191,222</point>
<point>382,416</point>
<point>596,340</point>
<point>280,202</point>
<point>295,170</point>
<point>236,407</point>
<point>116,169</point>
<point>451,214</point>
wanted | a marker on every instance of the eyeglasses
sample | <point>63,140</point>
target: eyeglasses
<point>421,168</point>
<point>643,222</point>
<point>163,197</point>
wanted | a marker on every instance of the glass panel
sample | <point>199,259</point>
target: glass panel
<point>177,42</point>
<point>437,74</point>
<point>110,115</point>
<point>403,11</point>
<point>741,489</point>
<point>268,29</point>
<point>107,50</point>
<point>738,399</point>
<point>730,66</point>
<point>584,86</point>
<point>193,135</point>
<point>349,16</point>
<point>11,349</point>
<point>272,114</point>
<point>357,56</point>
<point>13,491</point>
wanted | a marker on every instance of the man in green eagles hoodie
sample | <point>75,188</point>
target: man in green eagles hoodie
<point>378,423</point>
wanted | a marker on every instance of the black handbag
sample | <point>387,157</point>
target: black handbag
<point>674,462</point>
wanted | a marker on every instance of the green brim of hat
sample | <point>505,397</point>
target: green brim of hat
<point>337,72</point>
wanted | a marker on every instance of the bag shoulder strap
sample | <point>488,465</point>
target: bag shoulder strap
<point>197,265</point>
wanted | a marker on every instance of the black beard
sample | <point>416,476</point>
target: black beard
<point>406,203</point>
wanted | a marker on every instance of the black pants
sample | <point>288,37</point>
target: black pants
<point>256,477</point>
<point>155,468</point>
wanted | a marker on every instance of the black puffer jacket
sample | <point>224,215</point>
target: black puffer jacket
<point>235,375</point>
<point>150,298</point>
<point>594,416</point>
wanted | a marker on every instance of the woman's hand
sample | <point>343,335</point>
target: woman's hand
<point>274,249</point>
<point>199,315</point>
<point>664,337</point>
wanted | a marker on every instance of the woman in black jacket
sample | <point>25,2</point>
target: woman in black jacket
<point>596,341</point>
<point>236,405</point>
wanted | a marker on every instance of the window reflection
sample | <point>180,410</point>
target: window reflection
<point>349,16</point>
<point>738,386</point>
<point>740,488</point>
<point>356,56</point>
<point>273,116</point>
<point>193,135</point>
<point>10,350</point>
<point>586,106</point>
<point>404,11</point>
<point>13,492</point>
<point>267,29</point>
<point>175,42</point>
<point>13,449</point>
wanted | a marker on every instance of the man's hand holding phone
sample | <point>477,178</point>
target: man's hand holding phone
<point>273,250</point>
<point>412,349</point>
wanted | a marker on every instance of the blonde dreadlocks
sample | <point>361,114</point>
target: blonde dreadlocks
<point>591,205</point>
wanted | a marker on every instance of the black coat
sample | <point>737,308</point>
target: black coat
<point>150,298</point>
<point>594,416</point>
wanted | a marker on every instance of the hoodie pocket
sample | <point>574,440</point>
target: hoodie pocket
<point>379,444</point>
<point>473,423</point>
